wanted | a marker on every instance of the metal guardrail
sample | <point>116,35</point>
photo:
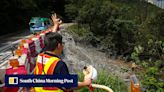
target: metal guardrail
<point>7,51</point>
<point>9,46</point>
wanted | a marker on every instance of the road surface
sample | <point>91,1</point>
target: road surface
<point>7,39</point>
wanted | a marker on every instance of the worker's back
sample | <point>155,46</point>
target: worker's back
<point>45,65</point>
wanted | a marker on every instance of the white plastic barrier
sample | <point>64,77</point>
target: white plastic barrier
<point>34,46</point>
<point>30,48</point>
<point>42,40</point>
<point>37,44</point>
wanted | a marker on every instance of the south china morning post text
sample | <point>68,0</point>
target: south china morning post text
<point>41,80</point>
<point>47,80</point>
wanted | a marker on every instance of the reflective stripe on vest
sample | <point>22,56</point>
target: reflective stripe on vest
<point>48,66</point>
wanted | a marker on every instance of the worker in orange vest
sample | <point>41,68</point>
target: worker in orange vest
<point>50,63</point>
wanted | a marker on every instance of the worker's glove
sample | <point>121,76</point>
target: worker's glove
<point>87,71</point>
<point>90,73</point>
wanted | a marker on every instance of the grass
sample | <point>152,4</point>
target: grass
<point>104,78</point>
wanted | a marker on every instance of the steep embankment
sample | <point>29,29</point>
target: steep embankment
<point>78,55</point>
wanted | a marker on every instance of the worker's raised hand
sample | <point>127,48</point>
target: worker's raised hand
<point>56,22</point>
<point>54,18</point>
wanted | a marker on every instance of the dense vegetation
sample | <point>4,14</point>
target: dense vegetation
<point>127,28</point>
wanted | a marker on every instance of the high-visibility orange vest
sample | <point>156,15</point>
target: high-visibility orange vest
<point>48,66</point>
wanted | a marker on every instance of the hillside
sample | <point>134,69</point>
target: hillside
<point>131,30</point>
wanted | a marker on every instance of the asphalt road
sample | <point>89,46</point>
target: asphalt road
<point>11,37</point>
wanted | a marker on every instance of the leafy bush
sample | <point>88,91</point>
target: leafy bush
<point>78,30</point>
<point>151,80</point>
